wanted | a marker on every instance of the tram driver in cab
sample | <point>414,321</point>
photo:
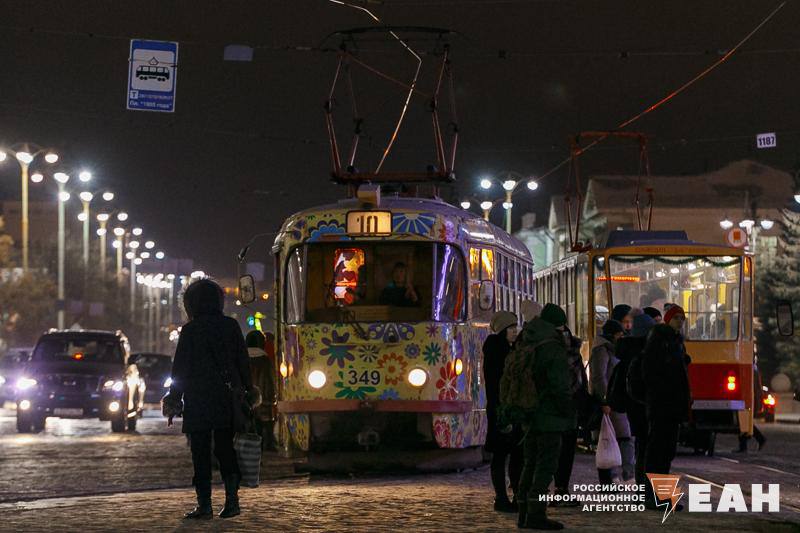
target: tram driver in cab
<point>400,292</point>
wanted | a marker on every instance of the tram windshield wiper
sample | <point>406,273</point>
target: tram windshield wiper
<point>347,316</point>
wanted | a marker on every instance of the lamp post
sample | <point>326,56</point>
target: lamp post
<point>133,245</point>
<point>102,232</point>
<point>513,180</point>
<point>25,158</point>
<point>62,179</point>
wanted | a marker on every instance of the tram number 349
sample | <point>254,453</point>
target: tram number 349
<point>366,377</point>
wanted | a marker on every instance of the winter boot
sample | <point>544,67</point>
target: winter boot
<point>503,505</point>
<point>231,507</point>
<point>537,517</point>
<point>203,511</point>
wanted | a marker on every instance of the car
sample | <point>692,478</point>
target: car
<point>155,369</point>
<point>79,374</point>
<point>11,364</point>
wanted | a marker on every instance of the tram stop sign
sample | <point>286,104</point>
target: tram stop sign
<point>737,237</point>
<point>152,67</point>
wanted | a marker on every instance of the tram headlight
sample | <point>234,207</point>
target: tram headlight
<point>26,383</point>
<point>459,367</point>
<point>417,377</point>
<point>317,379</point>
<point>284,369</point>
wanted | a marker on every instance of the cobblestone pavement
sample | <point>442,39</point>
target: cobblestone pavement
<point>448,502</point>
<point>44,480</point>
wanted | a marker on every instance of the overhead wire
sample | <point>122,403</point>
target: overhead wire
<point>624,124</point>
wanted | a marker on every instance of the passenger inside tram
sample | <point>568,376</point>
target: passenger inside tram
<point>400,292</point>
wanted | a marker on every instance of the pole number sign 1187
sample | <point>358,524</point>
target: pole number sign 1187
<point>766,140</point>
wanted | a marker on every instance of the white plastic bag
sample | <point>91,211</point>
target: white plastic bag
<point>608,454</point>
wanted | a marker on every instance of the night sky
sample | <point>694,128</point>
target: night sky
<point>247,144</point>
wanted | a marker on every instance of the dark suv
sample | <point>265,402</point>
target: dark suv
<point>79,374</point>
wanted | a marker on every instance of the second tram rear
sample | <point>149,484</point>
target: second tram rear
<point>382,312</point>
<point>713,284</point>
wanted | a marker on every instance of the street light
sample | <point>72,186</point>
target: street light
<point>63,196</point>
<point>159,255</point>
<point>24,159</point>
<point>137,231</point>
<point>767,224</point>
<point>149,245</point>
<point>102,219</point>
<point>37,177</point>
<point>510,184</point>
<point>85,176</point>
<point>726,223</point>
<point>108,196</point>
<point>465,204</point>
<point>797,198</point>
<point>122,216</point>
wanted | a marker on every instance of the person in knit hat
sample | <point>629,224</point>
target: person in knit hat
<point>502,444</point>
<point>554,414</point>
<point>668,396</point>
<point>653,313</point>
<point>602,362</point>
<point>530,310</point>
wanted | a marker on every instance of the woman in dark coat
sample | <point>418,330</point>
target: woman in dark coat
<point>211,374</point>
<point>503,443</point>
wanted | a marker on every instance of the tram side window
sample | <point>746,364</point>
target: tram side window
<point>570,291</point>
<point>295,286</point>
<point>601,311</point>
<point>450,285</point>
<point>484,272</point>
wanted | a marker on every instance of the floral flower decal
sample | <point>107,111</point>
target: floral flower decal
<point>447,383</point>
<point>351,393</point>
<point>388,332</point>
<point>459,439</point>
<point>297,229</point>
<point>417,223</point>
<point>394,367</point>
<point>389,394</point>
<point>368,352</point>
<point>337,351</point>
<point>330,227</point>
<point>447,232</point>
<point>458,346</point>
<point>412,350</point>
<point>432,330</point>
<point>441,431</point>
<point>432,353</point>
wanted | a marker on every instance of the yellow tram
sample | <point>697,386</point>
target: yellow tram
<point>714,284</point>
<point>382,308</point>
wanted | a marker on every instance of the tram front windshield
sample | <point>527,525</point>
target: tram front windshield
<point>706,287</point>
<point>380,281</point>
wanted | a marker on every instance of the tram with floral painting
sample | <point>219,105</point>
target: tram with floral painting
<point>382,310</point>
<point>714,284</point>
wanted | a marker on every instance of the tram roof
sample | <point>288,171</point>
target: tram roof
<point>473,227</point>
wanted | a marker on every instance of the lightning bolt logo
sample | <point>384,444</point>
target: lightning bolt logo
<point>665,488</point>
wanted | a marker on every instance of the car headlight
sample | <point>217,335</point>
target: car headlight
<point>317,379</point>
<point>2,380</point>
<point>168,383</point>
<point>116,386</point>
<point>26,383</point>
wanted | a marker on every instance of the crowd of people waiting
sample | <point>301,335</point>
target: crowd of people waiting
<point>638,371</point>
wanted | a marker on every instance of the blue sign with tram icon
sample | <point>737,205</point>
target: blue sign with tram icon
<point>152,72</point>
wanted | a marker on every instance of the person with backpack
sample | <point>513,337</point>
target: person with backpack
<point>582,401</point>
<point>668,401</point>
<point>602,362</point>
<point>502,442</point>
<point>628,351</point>
<point>540,386</point>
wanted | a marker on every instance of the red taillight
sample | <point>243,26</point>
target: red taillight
<point>78,356</point>
<point>770,400</point>
<point>731,383</point>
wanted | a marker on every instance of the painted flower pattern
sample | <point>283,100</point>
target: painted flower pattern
<point>394,367</point>
<point>441,431</point>
<point>329,227</point>
<point>412,350</point>
<point>432,353</point>
<point>389,394</point>
<point>389,332</point>
<point>417,223</point>
<point>432,330</point>
<point>447,232</point>
<point>368,352</point>
<point>337,349</point>
<point>446,384</point>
